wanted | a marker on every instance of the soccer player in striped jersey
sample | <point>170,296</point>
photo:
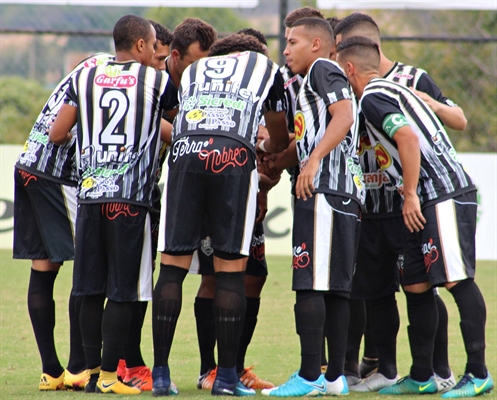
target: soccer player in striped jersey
<point>212,172</point>
<point>118,108</point>
<point>439,210</point>
<point>329,193</point>
<point>44,223</point>
<point>380,252</point>
<point>162,45</point>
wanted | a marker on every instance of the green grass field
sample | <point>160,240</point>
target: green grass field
<point>274,349</point>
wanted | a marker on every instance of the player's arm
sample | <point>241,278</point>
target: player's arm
<point>449,113</point>
<point>451,116</point>
<point>65,120</point>
<point>278,133</point>
<point>340,124</point>
<point>166,130</point>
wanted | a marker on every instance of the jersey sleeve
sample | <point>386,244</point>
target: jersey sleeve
<point>377,107</point>
<point>329,82</point>
<point>276,99</point>
<point>71,96</point>
<point>169,98</point>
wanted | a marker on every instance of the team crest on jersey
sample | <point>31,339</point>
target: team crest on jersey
<point>301,257</point>
<point>382,156</point>
<point>113,77</point>
<point>299,125</point>
<point>430,253</point>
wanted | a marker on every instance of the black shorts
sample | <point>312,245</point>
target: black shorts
<point>44,218</point>
<point>379,258</point>
<point>325,239</point>
<point>215,179</point>
<point>444,251</point>
<point>113,252</point>
<point>256,263</point>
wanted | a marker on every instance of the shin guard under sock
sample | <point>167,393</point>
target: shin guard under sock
<point>338,312</point>
<point>423,320</point>
<point>166,307</point>
<point>251,313</point>
<point>206,332</point>
<point>440,352</point>
<point>41,307</point>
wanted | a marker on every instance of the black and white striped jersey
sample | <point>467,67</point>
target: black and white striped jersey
<point>381,196</point>
<point>292,85</point>
<point>118,130</point>
<point>227,95</point>
<point>40,156</point>
<point>339,172</point>
<point>441,175</point>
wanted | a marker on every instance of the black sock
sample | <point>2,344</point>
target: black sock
<point>310,315</point>
<point>116,322</point>
<point>166,307</point>
<point>423,320</point>
<point>473,314</point>
<point>206,332</point>
<point>41,307</point>
<point>355,332</point>
<point>76,362</point>
<point>370,350</point>
<point>324,361</point>
<point>440,352</point>
<point>384,321</point>
<point>251,313</point>
<point>229,312</point>
<point>90,321</point>
<point>338,312</point>
<point>132,350</point>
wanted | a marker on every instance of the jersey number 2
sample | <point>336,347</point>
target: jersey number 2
<point>117,102</point>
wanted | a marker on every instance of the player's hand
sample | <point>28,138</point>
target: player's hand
<point>432,103</point>
<point>305,181</point>
<point>411,211</point>
<point>266,183</point>
<point>268,166</point>
<point>261,206</point>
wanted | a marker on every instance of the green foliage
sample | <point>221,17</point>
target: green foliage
<point>20,102</point>
<point>225,20</point>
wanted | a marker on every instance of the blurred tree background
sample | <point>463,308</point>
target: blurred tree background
<point>31,64</point>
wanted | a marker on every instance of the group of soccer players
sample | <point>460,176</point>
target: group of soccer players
<point>379,198</point>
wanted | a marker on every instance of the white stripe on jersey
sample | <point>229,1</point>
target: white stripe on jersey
<point>251,208</point>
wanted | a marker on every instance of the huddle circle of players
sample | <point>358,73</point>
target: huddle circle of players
<point>379,200</point>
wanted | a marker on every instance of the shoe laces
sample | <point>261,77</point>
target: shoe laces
<point>246,373</point>
<point>465,379</point>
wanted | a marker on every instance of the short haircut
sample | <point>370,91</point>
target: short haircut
<point>255,33</point>
<point>333,21</point>
<point>236,43</point>
<point>317,24</point>
<point>358,24</point>
<point>299,13</point>
<point>364,52</point>
<point>163,35</point>
<point>128,30</point>
<point>193,30</point>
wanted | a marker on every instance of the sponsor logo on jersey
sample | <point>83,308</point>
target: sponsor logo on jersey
<point>301,258</point>
<point>375,180</point>
<point>94,61</point>
<point>399,75</point>
<point>430,252</point>
<point>123,81</point>
<point>290,81</point>
<point>113,210</point>
<point>299,125</point>
<point>364,144</point>
<point>383,158</point>
<point>217,160</point>
<point>195,116</point>
<point>183,146</point>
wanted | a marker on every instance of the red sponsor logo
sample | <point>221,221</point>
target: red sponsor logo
<point>301,258</point>
<point>364,144</point>
<point>218,160</point>
<point>375,180</point>
<point>114,210</point>
<point>290,81</point>
<point>27,177</point>
<point>400,76</point>
<point>299,125</point>
<point>430,254</point>
<point>382,156</point>
<point>90,63</point>
<point>257,250</point>
<point>121,81</point>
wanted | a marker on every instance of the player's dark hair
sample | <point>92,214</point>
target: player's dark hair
<point>316,24</point>
<point>163,35</point>
<point>255,33</point>
<point>304,12</point>
<point>128,30</point>
<point>364,51</point>
<point>333,21</point>
<point>236,43</point>
<point>193,30</point>
<point>358,24</point>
